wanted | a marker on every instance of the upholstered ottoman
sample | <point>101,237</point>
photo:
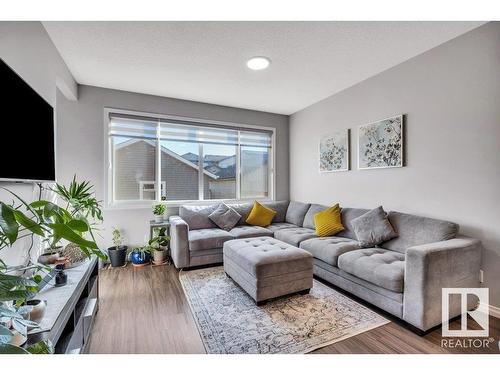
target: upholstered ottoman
<point>267,268</point>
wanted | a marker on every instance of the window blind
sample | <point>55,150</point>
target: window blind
<point>184,131</point>
<point>199,134</point>
<point>255,139</point>
<point>132,128</point>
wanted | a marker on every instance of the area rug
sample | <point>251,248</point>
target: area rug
<point>229,321</point>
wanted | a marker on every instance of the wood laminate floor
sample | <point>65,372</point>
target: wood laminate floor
<point>145,311</point>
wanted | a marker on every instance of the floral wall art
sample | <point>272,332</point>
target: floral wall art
<point>334,152</point>
<point>380,144</point>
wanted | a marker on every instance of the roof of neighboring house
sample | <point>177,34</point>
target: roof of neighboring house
<point>206,159</point>
<point>168,152</point>
<point>191,157</point>
<point>211,162</point>
<point>223,173</point>
<point>214,158</point>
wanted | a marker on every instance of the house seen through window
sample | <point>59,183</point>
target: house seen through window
<point>159,159</point>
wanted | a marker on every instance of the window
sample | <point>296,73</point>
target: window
<point>153,159</point>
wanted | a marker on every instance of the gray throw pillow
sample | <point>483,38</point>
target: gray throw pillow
<point>373,228</point>
<point>225,217</point>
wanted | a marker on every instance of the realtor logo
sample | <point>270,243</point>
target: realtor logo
<point>480,315</point>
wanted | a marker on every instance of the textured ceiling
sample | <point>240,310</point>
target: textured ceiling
<point>205,61</point>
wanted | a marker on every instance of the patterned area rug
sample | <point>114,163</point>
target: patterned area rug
<point>230,322</point>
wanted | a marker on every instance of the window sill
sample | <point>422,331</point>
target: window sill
<point>176,204</point>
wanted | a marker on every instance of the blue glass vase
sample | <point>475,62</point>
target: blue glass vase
<point>140,257</point>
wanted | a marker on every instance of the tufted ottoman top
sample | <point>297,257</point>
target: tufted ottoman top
<point>267,256</point>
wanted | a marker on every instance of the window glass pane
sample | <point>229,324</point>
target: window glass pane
<point>254,172</point>
<point>134,140</point>
<point>179,169</point>
<point>134,168</point>
<point>219,162</point>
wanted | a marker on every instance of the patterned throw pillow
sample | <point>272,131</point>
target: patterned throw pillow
<point>225,217</point>
<point>328,222</point>
<point>373,228</point>
<point>260,215</point>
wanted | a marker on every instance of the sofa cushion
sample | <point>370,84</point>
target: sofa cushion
<point>328,223</point>
<point>243,209</point>
<point>260,215</point>
<point>418,230</point>
<point>245,231</point>
<point>279,226</point>
<point>309,218</point>
<point>280,207</point>
<point>384,268</point>
<point>348,214</point>
<point>294,236</point>
<point>296,212</point>
<point>373,228</point>
<point>197,216</point>
<point>225,217</point>
<point>328,249</point>
<point>203,239</point>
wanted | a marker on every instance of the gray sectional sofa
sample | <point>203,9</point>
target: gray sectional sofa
<point>402,276</point>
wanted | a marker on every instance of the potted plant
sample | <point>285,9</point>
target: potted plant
<point>80,203</point>
<point>141,255</point>
<point>160,246</point>
<point>51,222</point>
<point>159,210</point>
<point>118,252</point>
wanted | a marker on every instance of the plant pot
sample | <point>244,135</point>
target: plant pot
<point>50,255</point>
<point>38,309</point>
<point>158,218</point>
<point>140,257</point>
<point>117,256</point>
<point>48,258</point>
<point>159,256</point>
<point>17,339</point>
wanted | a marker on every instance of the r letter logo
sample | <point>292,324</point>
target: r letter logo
<point>480,315</point>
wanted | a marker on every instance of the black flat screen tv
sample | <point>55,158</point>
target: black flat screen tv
<point>27,131</point>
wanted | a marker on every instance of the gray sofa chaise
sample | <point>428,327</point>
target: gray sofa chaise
<point>402,276</point>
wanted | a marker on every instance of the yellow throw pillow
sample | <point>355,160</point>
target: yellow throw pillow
<point>328,222</point>
<point>260,215</point>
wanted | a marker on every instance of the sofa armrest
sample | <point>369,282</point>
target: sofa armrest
<point>453,263</point>
<point>179,245</point>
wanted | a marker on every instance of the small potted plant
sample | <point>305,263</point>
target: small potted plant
<point>117,253</point>
<point>160,245</point>
<point>141,256</point>
<point>159,210</point>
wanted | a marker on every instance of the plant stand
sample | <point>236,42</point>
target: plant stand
<point>154,225</point>
<point>165,263</point>
<point>110,267</point>
<point>141,265</point>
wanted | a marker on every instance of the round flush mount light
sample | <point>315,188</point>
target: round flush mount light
<point>258,63</point>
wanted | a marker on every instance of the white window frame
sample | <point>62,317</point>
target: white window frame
<point>110,202</point>
<point>142,190</point>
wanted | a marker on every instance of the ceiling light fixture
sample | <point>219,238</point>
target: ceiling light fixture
<point>258,63</point>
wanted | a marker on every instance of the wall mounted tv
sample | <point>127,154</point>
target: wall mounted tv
<point>27,131</point>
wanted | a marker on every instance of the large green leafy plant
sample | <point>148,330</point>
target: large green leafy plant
<point>75,221</point>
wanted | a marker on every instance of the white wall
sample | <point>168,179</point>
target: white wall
<point>27,48</point>
<point>81,148</point>
<point>450,96</point>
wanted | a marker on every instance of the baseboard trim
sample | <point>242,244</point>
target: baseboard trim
<point>493,310</point>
